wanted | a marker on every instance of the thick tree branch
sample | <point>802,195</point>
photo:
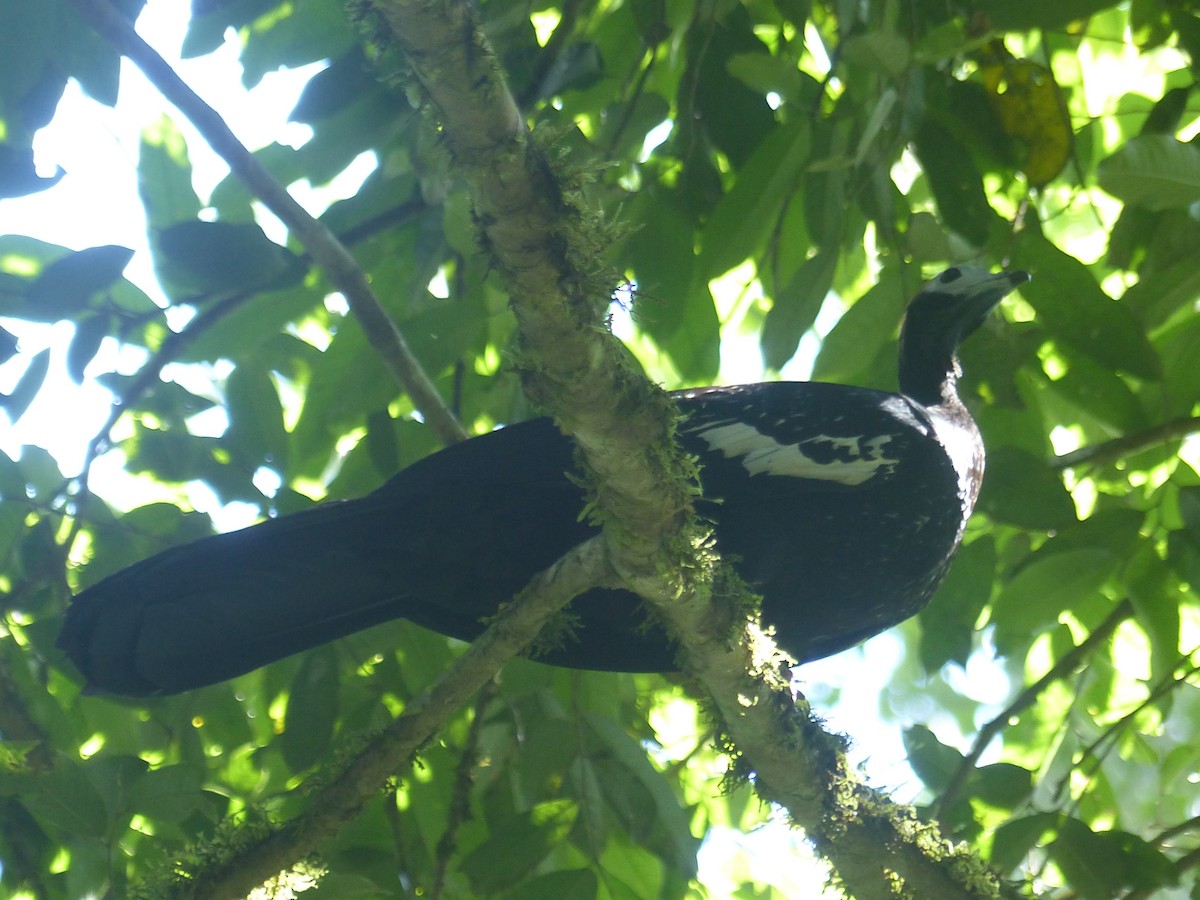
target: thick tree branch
<point>574,368</point>
<point>570,364</point>
<point>335,260</point>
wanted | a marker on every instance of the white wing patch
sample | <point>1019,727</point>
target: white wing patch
<point>846,460</point>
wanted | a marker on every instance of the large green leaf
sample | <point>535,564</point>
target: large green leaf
<point>165,176</point>
<point>1048,586</point>
<point>256,417</point>
<point>1075,310</point>
<point>795,308</point>
<point>1027,14</point>
<point>739,226</point>
<point>948,622</point>
<point>312,709</point>
<point>216,257</point>
<point>863,331</point>
<point>956,183</point>
<point>1101,863</point>
<point>518,845</point>
<point>1021,489</point>
<point>932,760</point>
<point>1154,171</point>
<point>67,284</point>
<point>19,398</point>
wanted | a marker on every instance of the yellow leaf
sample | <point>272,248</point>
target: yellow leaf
<point>1031,108</point>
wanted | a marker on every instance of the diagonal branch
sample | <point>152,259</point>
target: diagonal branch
<point>337,262</point>
<point>1070,661</point>
<point>329,808</point>
<point>1110,451</point>
<point>174,345</point>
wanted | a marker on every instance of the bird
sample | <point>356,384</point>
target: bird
<point>841,506</point>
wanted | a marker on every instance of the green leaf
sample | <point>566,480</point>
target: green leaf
<point>648,810</point>
<point>956,183</point>
<point>517,845</point>
<point>739,226</point>
<point>1153,171</point>
<point>382,446</point>
<point>796,307</point>
<point>67,284</point>
<point>18,173</point>
<point>348,383</point>
<point>1155,597</point>
<point>1003,785</point>
<point>346,80</point>
<point>65,800</point>
<point>1040,592</point>
<point>673,304</point>
<point>1070,304</point>
<point>210,21</point>
<point>579,883</point>
<point>38,551</point>
<point>1098,391</point>
<point>766,74</point>
<point>312,709</point>
<point>256,417</point>
<point>27,387</point>
<point>863,331</point>
<point>1098,865</point>
<point>9,346</point>
<point>165,176</point>
<point>884,52</point>
<point>1162,293</point>
<point>735,118</point>
<point>294,36</point>
<point>90,333</point>
<point>79,50</point>
<point>211,257</point>
<point>948,621</point>
<point>1016,837</point>
<point>241,333</point>
<point>1019,488</point>
<point>169,793</point>
<point>1178,347</point>
<point>1021,15</point>
<point>934,762</point>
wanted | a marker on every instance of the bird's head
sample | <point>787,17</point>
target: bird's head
<point>939,318</point>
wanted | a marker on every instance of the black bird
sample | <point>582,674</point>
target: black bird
<point>842,506</point>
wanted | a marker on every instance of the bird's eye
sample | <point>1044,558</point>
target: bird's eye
<point>951,274</point>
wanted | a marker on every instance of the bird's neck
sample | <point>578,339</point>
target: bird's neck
<point>955,430</point>
<point>930,380</point>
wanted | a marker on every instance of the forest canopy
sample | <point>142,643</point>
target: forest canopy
<point>739,191</point>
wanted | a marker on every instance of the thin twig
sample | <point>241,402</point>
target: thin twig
<point>1069,662</point>
<point>1110,451</point>
<point>1099,749</point>
<point>339,265</point>
<point>459,811</point>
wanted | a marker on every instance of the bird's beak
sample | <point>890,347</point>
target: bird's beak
<point>985,294</point>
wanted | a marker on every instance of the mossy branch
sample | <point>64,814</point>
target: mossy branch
<point>642,484</point>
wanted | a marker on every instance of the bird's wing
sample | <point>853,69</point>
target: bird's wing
<point>829,436</point>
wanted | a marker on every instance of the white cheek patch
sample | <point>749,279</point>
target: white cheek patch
<point>849,461</point>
